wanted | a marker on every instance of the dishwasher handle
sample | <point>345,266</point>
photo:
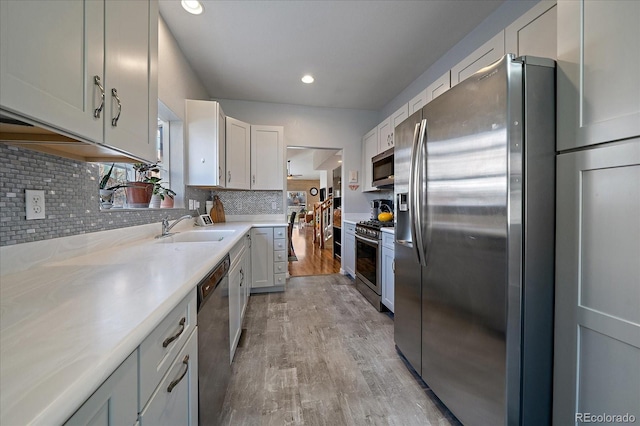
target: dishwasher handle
<point>211,282</point>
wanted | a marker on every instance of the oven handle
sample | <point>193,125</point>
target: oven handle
<point>367,240</point>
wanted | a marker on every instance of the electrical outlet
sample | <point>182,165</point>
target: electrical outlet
<point>196,204</point>
<point>34,204</point>
<point>239,205</point>
<point>274,205</point>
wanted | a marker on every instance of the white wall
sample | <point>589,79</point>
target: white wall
<point>315,128</point>
<point>176,79</point>
<point>504,15</point>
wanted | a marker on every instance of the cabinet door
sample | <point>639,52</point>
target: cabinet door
<point>116,400</point>
<point>349,254</point>
<point>235,277</point>
<point>598,62</point>
<point>175,401</point>
<point>205,139</point>
<point>534,33</point>
<point>418,102</point>
<point>384,136</point>
<point>267,157</point>
<point>396,118</point>
<point>485,55</point>
<point>238,154</point>
<point>439,86</point>
<point>261,257</point>
<point>597,320</point>
<point>369,150</point>
<point>245,283</point>
<point>388,279</point>
<point>127,38</point>
<point>49,55</point>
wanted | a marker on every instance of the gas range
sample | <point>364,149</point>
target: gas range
<point>371,228</point>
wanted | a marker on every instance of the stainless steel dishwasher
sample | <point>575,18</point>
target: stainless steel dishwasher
<point>214,365</point>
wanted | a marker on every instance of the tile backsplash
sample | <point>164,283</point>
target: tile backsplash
<point>72,203</point>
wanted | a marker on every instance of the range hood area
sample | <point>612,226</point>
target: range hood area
<point>46,139</point>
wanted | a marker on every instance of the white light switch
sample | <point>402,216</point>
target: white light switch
<point>274,205</point>
<point>34,204</point>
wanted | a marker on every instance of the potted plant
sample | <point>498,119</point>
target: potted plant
<point>140,191</point>
<point>167,197</point>
<point>106,192</point>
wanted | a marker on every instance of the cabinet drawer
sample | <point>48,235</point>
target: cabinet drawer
<point>280,267</point>
<point>279,232</point>
<point>350,228</point>
<point>279,244</point>
<point>387,240</point>
<point>280,256</point>
<point>280,279</point>
<point>236,252</point>
<point>178,406</point>
<point>158,351</point>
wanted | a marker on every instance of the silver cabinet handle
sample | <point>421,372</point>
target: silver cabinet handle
<point>219,173</point>
<point>229,172</point>
<point>168,340</point>
<point>175,382</point>
<point>254,178</point>
<point>97,111</point>
<point>241,277</point>
<point>114,121</point>
<point>393,265</point>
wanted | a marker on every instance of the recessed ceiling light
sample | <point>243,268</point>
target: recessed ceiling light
<point>307,79</point>
<point>192,6</point>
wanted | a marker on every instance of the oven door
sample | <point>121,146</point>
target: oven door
<point>368,262</point>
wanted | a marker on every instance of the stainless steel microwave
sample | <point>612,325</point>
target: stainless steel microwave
<point>382,169</point>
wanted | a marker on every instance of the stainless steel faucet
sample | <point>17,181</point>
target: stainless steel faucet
<point>166,227</point>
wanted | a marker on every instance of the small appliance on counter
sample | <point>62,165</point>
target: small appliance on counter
<point>380,206</point>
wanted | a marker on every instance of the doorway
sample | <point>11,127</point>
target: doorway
<point>310,173</point>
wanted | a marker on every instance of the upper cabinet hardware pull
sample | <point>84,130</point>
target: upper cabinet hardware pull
<point>254,178</point>
<point>174,337</point>
<point>114,93</point>
<point>229,175</point>
<point>174,383</point>
<point>97,111</point>
<point>220,173</point>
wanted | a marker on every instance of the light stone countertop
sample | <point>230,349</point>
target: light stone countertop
<point>67,324</point>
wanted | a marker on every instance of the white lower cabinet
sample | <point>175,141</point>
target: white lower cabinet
<point>388,270</point>
<point>269,260</point>
<point>175,400</point>
<point>246,284</point>
<point>116,400</point>
<point>237,284</point>
<point>349,249</point>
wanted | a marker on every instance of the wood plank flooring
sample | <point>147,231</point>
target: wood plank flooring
<point>320,354</point>
<point>311,259</point>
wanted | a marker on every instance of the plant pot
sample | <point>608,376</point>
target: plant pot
<point>138,194</point>
<point>106,198</point>
<point>167,203</point>
<point>155,201</point>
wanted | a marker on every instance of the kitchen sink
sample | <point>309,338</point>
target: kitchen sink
<point>204,235</point>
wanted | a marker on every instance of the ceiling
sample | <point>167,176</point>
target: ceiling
<point>361,53</point>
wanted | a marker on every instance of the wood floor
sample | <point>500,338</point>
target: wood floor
<point>320,354</point>
<point>311,259</point>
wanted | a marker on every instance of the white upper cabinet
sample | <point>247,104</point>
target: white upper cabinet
<point>534,33</point>
<point>127,73</point>
<point>238,147</point>
<point>50,53</point>
<point>438,87</point>
<point>369,150</point>
<point>485,55</point>
<point>597,76</point>
<point>205,131</point>
<point>396,118</point>
<point>418,102</point>
<point>87,69</point>
<point>267,158</point>
<point>384,136</point>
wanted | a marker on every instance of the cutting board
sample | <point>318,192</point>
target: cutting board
<point>217,211</point>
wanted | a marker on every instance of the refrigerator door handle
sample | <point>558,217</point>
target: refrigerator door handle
<point>412,191</point>
<point>419,193</point>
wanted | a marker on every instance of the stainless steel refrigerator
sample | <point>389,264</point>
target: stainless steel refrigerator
<point>475,200</point>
